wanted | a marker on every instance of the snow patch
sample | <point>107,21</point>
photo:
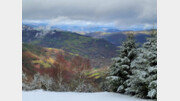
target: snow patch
<point>40,95</point>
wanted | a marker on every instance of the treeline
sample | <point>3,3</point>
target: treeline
<point>134,71</point>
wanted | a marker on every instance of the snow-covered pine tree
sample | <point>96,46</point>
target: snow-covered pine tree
<point>143,82</point>
<point>120,70</point>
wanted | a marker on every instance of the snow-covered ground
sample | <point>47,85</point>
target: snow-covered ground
<point>39,95</point>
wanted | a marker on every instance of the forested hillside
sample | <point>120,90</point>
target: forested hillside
<point>98,50</point>
<point>57,70</point>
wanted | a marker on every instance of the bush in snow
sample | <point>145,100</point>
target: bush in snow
<point>84,87</point>
<point>39,82</point>
<point>31,85</point>
<point>60,85</point>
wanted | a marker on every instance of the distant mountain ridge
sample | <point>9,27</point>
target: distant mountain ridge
<point>98,50</point>
<point>98,46</point>
<point>117,38</point>
<point>83,28</point>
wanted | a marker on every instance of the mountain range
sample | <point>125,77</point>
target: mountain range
<point>99,51</point>
<point>100,47</point>
<point>117,38</point>
<point>83,28</point>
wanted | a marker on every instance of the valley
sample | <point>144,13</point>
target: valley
<point>77,62</point>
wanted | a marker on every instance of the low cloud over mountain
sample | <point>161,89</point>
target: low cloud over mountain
<point>120,13</point>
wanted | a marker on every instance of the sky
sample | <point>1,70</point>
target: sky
<point>125,14</point>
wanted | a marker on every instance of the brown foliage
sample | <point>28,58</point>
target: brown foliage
<point>80,63</point>
<point>68,70</point>
<point>63,67</point>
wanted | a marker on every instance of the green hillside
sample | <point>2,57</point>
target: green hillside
<point>97,50</point>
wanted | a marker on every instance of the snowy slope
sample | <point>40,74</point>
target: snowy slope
<point>39,95</point>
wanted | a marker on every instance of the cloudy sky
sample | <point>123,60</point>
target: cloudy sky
<point>119,13</point>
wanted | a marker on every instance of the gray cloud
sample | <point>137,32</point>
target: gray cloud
<point>119,12</point>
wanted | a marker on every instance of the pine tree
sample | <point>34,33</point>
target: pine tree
<point>121,69</point>
<point>143,81</point>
